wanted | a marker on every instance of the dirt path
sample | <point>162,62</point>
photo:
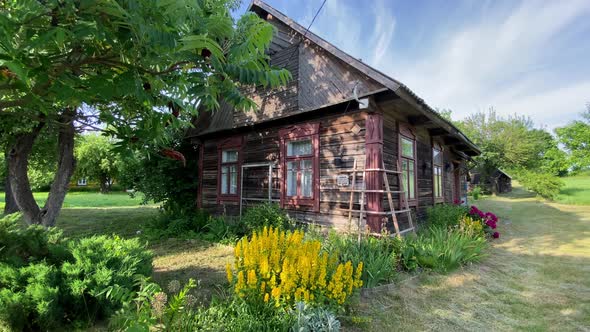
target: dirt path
<point>536,278</point>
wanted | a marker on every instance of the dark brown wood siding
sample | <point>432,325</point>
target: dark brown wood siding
<point>339,146</point>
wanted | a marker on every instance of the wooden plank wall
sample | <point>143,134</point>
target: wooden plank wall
<point>337,141</point>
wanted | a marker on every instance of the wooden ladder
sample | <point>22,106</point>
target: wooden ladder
<point>405,208</point>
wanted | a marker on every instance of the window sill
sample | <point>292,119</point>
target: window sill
<point>228,198</point>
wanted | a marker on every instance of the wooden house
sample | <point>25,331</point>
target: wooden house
<point>335,113</point>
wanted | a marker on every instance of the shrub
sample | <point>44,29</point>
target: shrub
<point>265,215</point>
<point>445,215</point>
<point>99,262</point>
<point>47,282</point>
<point>191,224</point>
<point>29,296</point>
<point>543,184</point>
<point>282,268</point>
<point>376,254</point>
<point>442,249</point>
<point>475,193</point>
<point>150,309</point>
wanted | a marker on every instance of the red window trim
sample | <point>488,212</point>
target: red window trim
<point>295,133</point>
<point>233,143</point>
<point>441,198</point>
<point>406,131</point>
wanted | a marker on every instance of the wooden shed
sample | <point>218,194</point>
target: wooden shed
<point>337,113</point>
<point>497,182</point>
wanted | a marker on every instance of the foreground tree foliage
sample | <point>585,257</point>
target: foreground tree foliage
<point>140,67</point>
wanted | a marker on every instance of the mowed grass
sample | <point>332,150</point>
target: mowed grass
<point>88,199</point>
<point>576,190</point>
<point>535,278</point>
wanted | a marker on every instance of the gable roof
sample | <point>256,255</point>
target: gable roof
<point>222,120</point>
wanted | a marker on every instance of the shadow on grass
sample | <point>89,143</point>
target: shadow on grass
<point>177,259</point>
<point>535,277</point>
<point>124,222</point>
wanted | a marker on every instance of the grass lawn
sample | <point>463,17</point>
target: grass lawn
<point>536,277</point>
<point>88,199</point>
<point>576,190</point>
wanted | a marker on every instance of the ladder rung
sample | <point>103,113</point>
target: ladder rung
<point>372,191</point>
<point>393,234</point>
<point>386,213</point>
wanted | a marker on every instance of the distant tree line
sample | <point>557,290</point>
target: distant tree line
<point>533,155</point>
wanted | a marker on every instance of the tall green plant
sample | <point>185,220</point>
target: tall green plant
<point>443,249</point>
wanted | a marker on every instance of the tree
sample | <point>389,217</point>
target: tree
<point>575,137</point>
<point>139,67</point>
<point>97,160</point>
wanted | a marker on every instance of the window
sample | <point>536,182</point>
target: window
<point>299,169</point>
<point>407,152</point>
<point>437,162</point>
<point>229,157</point>
<point>229,172</point>
<point>300,164</point>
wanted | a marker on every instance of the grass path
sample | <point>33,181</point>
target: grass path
<point>536,278</point>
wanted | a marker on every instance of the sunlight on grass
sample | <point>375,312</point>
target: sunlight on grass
<point>88,199</point>
<point>576,190</point>
<point>535,277</point>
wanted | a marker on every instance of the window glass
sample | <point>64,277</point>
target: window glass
<point>291,178</point>
<point>407,148</point>
<point>437,181</point>
<point>229,156</point>
<point>233,182</point>
<point>437,156</point>
<point>411,180</point>
<point>224,172</point>
<point>306,178</point>
<point>299,148</point>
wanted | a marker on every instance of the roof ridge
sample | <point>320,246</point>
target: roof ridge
<point>382,78</point>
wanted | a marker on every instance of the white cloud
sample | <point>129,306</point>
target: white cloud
<point>506,59</point>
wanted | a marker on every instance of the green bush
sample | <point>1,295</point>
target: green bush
<point>445,215</point>
<point>29,296</point>
<point>442,249</point>
<point>269,215</point>
<point>192,224</point>
<point>99,262</point>
<point>475,193</point>
<point>150,308</point>
<point>47,282</point>
<point>377,254</point>
<point>543,184</point>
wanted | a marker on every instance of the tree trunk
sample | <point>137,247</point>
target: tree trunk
<point>65,169</point>
<point>18,164</point>
<point>103,184</point>
<point>19,181</point>
<point>9,202</point>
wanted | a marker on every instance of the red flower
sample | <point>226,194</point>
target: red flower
<point>496,235</point>
<point>491,223</point>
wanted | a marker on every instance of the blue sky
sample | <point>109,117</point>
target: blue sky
<point>529,57</point>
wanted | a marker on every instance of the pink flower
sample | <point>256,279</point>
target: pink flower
<point>496,235</point>
<point>491,224</point>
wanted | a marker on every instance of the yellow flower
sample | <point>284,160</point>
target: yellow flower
<point>229,274</point>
